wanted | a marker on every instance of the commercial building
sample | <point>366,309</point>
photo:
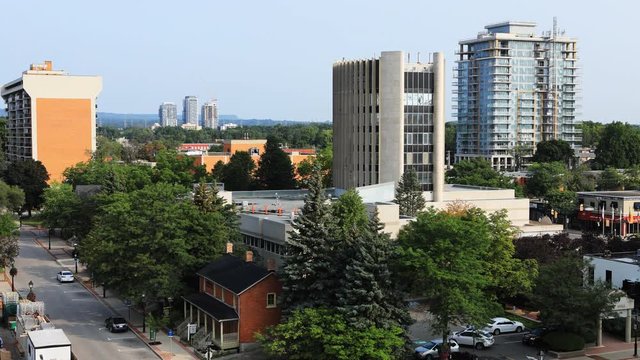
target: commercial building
<point>168,113</point>
<point>51,117</point>
<point>514,90</point>
<point>612,212</point>
<point>190,110</point>
<point>210,114</point>
<point>388,117</point>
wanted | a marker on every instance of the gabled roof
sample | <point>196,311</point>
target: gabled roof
<point>233,273</point>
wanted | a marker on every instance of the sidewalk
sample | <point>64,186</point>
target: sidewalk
<point>168,348</point>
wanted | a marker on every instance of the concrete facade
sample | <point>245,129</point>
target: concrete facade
<point>388,116</point>
<point>190,110</point>
<point>51,117</point>
<point>210,114</point>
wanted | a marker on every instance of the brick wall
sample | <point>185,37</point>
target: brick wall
<point>253,311</point>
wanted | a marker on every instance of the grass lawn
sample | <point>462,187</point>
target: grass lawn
<point>528,323</point>
<point>34,220</point>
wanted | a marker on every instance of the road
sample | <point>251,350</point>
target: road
<point>72,308</point>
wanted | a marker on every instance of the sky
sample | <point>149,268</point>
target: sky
<point>273,59</point>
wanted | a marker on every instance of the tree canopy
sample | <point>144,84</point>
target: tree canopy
<point>554,150</point>
<point>618,146</point>
<point>237,175</point>
<point>31,176</point>
<point>147,241</point>
<point>477,172</point>
<point>546,177</point>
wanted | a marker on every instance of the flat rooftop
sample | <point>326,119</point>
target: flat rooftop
<point>618,194</point>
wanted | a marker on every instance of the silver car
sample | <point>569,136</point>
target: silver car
<point>65,276</point>
<point>477,338</point>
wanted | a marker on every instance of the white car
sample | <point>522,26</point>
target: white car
<point>477,338</point>
<point>429,349</point>
<point>502,325</point>
<point>65,276</point>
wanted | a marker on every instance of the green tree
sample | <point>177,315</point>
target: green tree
<point>546,177</point>
<point>580,180</point>
<point>632,178</point>
<point>591,133</point>
<point>365,291</point>
<point>477,172</point>
<point>217,173</point>
<point>567,301</point>
<point>564,202</point>
<point>111,176</point>
<point>206,199</point>
<point>9,235</point>
<point>147,241</point>
<point>174,168</point>
<point>316,333</point>
<point>275,171</point>
<point>322,162</point>
<point>611,179</point>
<point>237,175</point>
<point>107,149</point>
<point>308,276</point>
<point>61,207</point>
<point>409,194</point>
<point>618,146</point>
<point>31,176</point>
<point>554,150</point>
<point>444,257</point>
<point>11,197</point>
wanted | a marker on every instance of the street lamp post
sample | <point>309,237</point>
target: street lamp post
<point>31,296</point>
<point>144,315</point>
<point>13,272</point>
<point>75,259</point>
<point>635,330</point>
<point>49,239</point>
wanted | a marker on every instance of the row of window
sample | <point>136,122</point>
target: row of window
<point>267,245</point>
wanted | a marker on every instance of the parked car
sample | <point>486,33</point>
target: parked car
<point>534,337</point>
<point>502,325</point>
<point>116,324</point>
<point>477,338</point>
<point>430,349</point>
<point>65,276</point>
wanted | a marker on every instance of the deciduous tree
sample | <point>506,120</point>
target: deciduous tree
<point>238,173</point>
<point>31,176</point>
<point>554,150</point>
<point>546,177</point>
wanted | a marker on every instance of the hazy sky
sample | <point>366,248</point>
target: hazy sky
<point>273,59</point>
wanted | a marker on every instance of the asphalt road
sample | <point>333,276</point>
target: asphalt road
<point>72,308</point>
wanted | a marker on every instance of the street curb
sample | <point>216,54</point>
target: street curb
<point>81,282</point>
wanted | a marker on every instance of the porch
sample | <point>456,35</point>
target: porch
<point>216,322</point>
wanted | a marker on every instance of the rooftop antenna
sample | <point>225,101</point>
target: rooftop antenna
<point>418,57</point>
<point>555,27</point>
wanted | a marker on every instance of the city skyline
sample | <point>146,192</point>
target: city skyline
<point>260,51</point>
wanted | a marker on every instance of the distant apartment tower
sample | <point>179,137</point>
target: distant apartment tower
<point>210,114</point>
<point>514,90</point>
<point>51,117</point>
<point>190,110</point>
<point>168,114</point>
<point>388,117</point>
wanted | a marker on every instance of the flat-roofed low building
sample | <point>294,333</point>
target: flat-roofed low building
<point>612,212</point>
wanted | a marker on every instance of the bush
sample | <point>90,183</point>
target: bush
<point>614,327</point>
<point>563,341</point>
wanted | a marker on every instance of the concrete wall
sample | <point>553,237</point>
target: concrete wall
<point>619,270</point>
<point>391,148</point>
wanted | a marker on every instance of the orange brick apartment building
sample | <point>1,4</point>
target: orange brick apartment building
<point>51,117</point>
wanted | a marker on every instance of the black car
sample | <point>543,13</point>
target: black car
<point>116,324</point>
<point>534,337</point>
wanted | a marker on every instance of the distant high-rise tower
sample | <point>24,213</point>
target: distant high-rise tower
<point>51,117</point>
<point>388,117</point>
<point>514,90</point>
<point>190,110</point>
<point>210,114</point>
<point>168,114</point>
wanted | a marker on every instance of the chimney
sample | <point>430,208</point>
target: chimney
<point>229,248</point>
<point>249,256</point>
<point>271,264</point>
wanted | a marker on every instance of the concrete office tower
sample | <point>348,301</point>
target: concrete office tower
<point>51,117</point>
<point>210,114</point>
<point>168,114</point>
<point>388,116</point>
<point>514,90</point>
<point>190,110</point>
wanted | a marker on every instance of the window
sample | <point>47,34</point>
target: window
<point>608,276</point>
<point>271,300</point>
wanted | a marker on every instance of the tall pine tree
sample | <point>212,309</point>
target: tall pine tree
<point>275,171</point>
<point>409,194</point>
<point>308,273</point>
<point>366,294</point>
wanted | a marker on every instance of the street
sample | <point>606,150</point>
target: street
<point>72,308</point>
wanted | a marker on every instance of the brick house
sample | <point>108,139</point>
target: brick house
<point>236,299</point>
